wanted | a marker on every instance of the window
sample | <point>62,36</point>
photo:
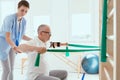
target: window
<point>81,26</point>
<point>6,8</point>
<point>38,20</point>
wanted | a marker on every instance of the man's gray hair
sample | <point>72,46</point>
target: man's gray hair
<point>40,27</point>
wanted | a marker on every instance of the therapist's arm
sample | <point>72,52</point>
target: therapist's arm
<point>26,38</point>
<point>29,48</point>
<point>11,43</point>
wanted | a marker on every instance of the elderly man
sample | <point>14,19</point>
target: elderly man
<point>34,46</point>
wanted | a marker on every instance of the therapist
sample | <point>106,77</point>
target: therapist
<point>12,31</point>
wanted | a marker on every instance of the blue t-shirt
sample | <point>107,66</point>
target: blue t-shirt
<point>10,25</point>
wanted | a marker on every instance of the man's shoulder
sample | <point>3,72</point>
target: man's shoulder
<point>32,41</point>
<point>35,41</point>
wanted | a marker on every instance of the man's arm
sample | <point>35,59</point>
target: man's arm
<point>26,38</point>
<point>29,48</point>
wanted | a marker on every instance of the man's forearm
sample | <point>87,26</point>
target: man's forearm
<point>26,38</point>
<point>29,48</point>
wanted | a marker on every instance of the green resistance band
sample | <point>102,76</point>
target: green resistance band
<point>83,46</point>
<point>37,60</point>
<point>67,52</point>
<point>64,50</point>
<point>104,32</point>
<point>95,48</point>
<point>72,50</point>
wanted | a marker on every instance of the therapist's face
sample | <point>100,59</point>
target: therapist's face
<point>22,11</point>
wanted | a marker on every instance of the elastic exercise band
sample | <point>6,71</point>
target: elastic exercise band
<point>67,52</point>
<point>63,50</point>
<point>83,76</point>
<point>83,46</point>
<point>37,60</point>
<point>95,48</point>
<point>72,50</point>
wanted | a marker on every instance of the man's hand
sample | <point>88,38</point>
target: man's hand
<point>57,44</point>
<point>41,50</point>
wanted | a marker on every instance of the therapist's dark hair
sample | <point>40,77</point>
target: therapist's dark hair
<point>23,3</point>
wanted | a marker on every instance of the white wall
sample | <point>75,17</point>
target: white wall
<point>59,12</point>
<point>59,20</point>
<point>79,6</point>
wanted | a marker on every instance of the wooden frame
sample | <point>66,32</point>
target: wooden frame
<point>110,70</point>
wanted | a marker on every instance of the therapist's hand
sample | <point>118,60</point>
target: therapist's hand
<point>17,50</point>
<point>42,50</point>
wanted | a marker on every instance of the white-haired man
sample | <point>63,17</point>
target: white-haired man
<point>32,47</point>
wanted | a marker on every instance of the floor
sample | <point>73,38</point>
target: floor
<point>71,74</point>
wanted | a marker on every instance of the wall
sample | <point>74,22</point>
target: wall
<point>59,12</point>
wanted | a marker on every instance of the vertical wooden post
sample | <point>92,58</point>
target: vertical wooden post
<point>117,39</point>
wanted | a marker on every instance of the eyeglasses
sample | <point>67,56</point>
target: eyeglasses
<point>49,33</point>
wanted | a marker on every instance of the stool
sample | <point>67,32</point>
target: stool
<point>62,74</point>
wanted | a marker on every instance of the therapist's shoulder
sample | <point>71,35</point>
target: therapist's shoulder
<point>10,17</point>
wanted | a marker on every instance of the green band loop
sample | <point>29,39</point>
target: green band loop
<point>37,60</point>
<point>67,52</point>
